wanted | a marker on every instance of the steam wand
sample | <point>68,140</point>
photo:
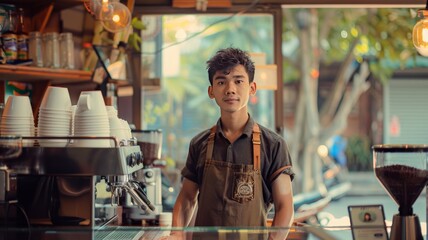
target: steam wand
<point>135,191</point>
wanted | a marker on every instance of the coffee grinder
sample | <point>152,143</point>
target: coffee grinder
<point>402,171</point>
<point>150,177</point>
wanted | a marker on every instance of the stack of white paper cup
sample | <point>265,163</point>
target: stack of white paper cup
<point>55,117</point>
<point>73,112</point>
<point>127,129</point>
<point>17,118</point>
<point>118,128</point>
<point>91,119</point>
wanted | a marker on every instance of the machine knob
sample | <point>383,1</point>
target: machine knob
<point>149,174</point>
<point>132,160</point>
<point>139,157</point>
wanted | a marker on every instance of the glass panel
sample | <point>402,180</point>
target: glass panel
<point>175,49</point>
<point>138,232</point>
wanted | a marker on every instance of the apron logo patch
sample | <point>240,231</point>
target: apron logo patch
<point>244,190</point>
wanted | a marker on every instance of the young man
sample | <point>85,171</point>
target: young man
<point>236,169</point>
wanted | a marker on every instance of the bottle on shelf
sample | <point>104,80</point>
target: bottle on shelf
<point>2,52</point>
<point>9,39</point>
<point>22,37</point>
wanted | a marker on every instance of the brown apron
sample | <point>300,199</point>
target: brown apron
<point>231,194</point>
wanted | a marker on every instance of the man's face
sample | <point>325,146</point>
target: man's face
<point>231,91</point>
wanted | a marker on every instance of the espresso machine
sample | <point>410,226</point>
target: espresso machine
<point>150,176</point>
<point>57,187</point>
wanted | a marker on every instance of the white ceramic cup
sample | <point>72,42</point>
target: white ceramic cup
<point>165,221</point>
<point>18,106</point>
<point>91,103</point>
<point>56,98</point>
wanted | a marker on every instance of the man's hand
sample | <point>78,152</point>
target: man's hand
<point>185,204</point>
<point>282,192</point>
<point>184,210</point>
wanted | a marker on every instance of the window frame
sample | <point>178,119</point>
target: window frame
<point>274,10</point>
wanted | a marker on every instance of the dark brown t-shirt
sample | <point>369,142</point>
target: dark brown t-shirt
<point>273,151</point>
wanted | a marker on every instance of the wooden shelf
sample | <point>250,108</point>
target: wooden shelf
<point>32,6</point>
<point>35,74</point>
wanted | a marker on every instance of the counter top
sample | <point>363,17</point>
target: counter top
<point>142,233</point>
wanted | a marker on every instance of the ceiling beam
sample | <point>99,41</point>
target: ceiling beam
<point>361,3</point>
<point>308,3</point>
<point>194,3</point>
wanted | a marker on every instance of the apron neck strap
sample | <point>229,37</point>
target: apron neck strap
<point>210,147</point>
<point>256,146</point>
<point>255,139</point>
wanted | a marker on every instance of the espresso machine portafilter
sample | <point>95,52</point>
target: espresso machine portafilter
<point>126,192</point>
<point>147,180</point>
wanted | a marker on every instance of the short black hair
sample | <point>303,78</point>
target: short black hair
<point>226,59</point>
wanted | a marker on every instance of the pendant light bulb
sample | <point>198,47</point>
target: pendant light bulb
<point>420,33</point>
<point>115,16</point>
